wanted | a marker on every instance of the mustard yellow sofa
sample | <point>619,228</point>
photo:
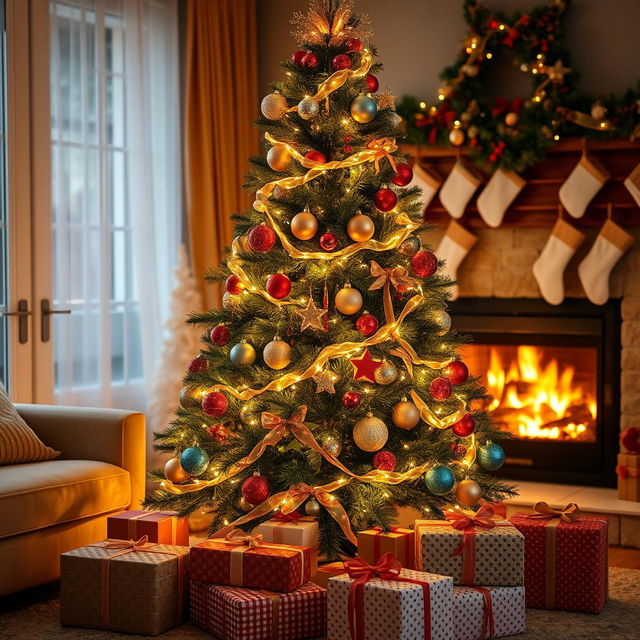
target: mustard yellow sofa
<point>50,507</point>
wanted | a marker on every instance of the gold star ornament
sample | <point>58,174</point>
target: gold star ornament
<point>312,316</point>
<point>325,380</point>
<point>386,100</point>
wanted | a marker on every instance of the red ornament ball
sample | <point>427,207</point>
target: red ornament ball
<point>215,404</point>
<point>341,61</point>
<point>198,365</point>
<point>220,335</point>
<point>385,199</point>
<point>372,83</point>
<point>278,286</point>
<point>404,175</point>
<point>234,285</point>
<point>328,241</point>
<point>351,400</point>
<point>297,57</point>
<point>316,156</point>
<point>630,439</point>
<point>262,238</point>
<point>385,461</point>
<point>465,426</point>
<point>353,45</point>
<point>459,451</point>
<point>424,264</point>
<point>310,61</point>
<point>440,389</point>
<point>255,489</point>
<point>367,324</point>
<point>456,371</point>
<point>217,432</point>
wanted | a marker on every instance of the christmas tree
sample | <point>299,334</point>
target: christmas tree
<point>329,381</point>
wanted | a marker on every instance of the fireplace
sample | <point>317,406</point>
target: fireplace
<point>553,376</point>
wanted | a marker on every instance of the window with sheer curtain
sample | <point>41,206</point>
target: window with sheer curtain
<point>116,210</point>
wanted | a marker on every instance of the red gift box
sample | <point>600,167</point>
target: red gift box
<point>233,613</point>
<point>565,559</point>
<point>245,561</point>
<point>161,527</point>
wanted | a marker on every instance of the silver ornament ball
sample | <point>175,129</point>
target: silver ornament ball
<point>364,109</point>
<point>242,353</point>
<point>443,320</point>
<point>308,108</point>
<point>386,373</point>
<point>332,446</point>
<point>274,106</point>
<point>312,508</point>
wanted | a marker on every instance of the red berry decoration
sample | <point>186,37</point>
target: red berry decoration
<point>440,389</point>
<point>278,286</point>
<point>347,148</point>
<point>220,335</point>
<point>424,264</point>
<point>262,238</point>
<point>456,371</point>
<point>298,56</point>
<point>385,199</point>
<point>353,45</point>
<point>404,175</point>
<point>198,365</point>
<point>328,241</point>
<point>351,400</point>
<point>217,432</point>
<point>255,489</point>
<point>367,324</point>
<point>316,156</point>
<point>465,426</point>
<point>215,404</point>
<point>310,61</point>
<point>234,285</point>
<point>385,461</point>
<point>459,451</point>
<point>341,61</point>
<point>372,83</point>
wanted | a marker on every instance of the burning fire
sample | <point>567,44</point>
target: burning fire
<point>534,400</point>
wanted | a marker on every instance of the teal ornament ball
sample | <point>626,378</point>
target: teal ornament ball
<point>364,109</point>
<point>491,456</point>
<point>194,460</point>
<point>439,480</point>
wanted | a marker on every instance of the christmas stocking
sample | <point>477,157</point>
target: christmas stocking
<point>458,188</point>
<point>454,247</point>
<point>550,265</point>
<point>594,270</point>
<point>581,186</point>
<point>428,181</point>
<point>633,184</point>
<point>498,195</point>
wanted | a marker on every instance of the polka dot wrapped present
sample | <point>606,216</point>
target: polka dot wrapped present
<point>565,558</point>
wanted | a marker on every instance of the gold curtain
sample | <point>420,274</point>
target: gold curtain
<point>221,96</point>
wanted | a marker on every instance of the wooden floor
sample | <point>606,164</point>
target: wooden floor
<point>624,557</point>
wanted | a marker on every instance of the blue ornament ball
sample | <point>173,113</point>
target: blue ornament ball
<point>364,109</point>
<point>439,480</point>
<point>491,456</point>
<point>194,460</point>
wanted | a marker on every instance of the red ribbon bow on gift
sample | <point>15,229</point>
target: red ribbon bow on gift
<point>482,518</point>
<point>627,472</point>
<point>387,568</point>
<point>294,516</point>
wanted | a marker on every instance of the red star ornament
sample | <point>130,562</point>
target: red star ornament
<point>364,368</point>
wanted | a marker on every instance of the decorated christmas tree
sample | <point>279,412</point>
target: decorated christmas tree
<point>329,382</point>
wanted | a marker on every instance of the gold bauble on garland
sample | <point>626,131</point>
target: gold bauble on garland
<point>312,508</point>
<point>190,397</point>
<point>274,106</point>
<point>245,506</point>
<point>386,373</point>
<point>370,433</point>
<point>348,300</point>
<point>174,472</point>
<point>456,137</point>
<point>511,119</point>
<point>277,354</point>
<point>360,228</point>
<point>304,225</point>
<point>278,157</point>
<point>405,415</point>
<point>468,493</point>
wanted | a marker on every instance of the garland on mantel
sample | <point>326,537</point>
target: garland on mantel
<point>513,134</point>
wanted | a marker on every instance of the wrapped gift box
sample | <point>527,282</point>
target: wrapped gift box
<point>236,613</point>
<point>628,471</point>
<point>565,562</point>
<point>487,612</point>
<point>303,532</point>
<point>493,557</point>
<point>393,610</point>
<point>374,543</point>
<point>276,567</point>
<point>161,527</point>
<point>133,590</point>
<point>326,571</point>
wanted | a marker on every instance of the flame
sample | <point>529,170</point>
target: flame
<point>537,400</point>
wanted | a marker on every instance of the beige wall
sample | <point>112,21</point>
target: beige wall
<point>417,38</point>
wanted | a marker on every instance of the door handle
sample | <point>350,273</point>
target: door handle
<point>22,314</point>
<point>45,323</point>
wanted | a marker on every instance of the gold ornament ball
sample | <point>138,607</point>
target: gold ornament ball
<point>304,225</point>
<point>364,109</point>
<point>472,132</point>
<point>348,300</point>
<point>332,446</point>
<point>598,112</point>
<point>174,472</point>
<point>242,353</point>
<point>360,228</point>
<point>386,373</point>
<point>190,397</point>
<point>277,354</point>
<point>511,119</point>
<point>410,246</point>
<point>405,415</point>
<point>308,108</point>
<point>370,433</point>
<point>245,506</point>
<point>312,508</point>
<point>456,137</point>
<point>274,106</point>
<point>278,157</point>
<point>468,493</point>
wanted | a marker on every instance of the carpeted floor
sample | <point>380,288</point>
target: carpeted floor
<point>33,615</point>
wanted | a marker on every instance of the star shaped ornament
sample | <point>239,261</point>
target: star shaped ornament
<point>312,316</point>
<point>386,100</point>
<point>325,380</point>
<point>364,368</point>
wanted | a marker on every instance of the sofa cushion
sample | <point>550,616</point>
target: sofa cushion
<point>40,494</point>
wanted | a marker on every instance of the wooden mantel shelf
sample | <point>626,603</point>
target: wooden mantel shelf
<point>537,203</point>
